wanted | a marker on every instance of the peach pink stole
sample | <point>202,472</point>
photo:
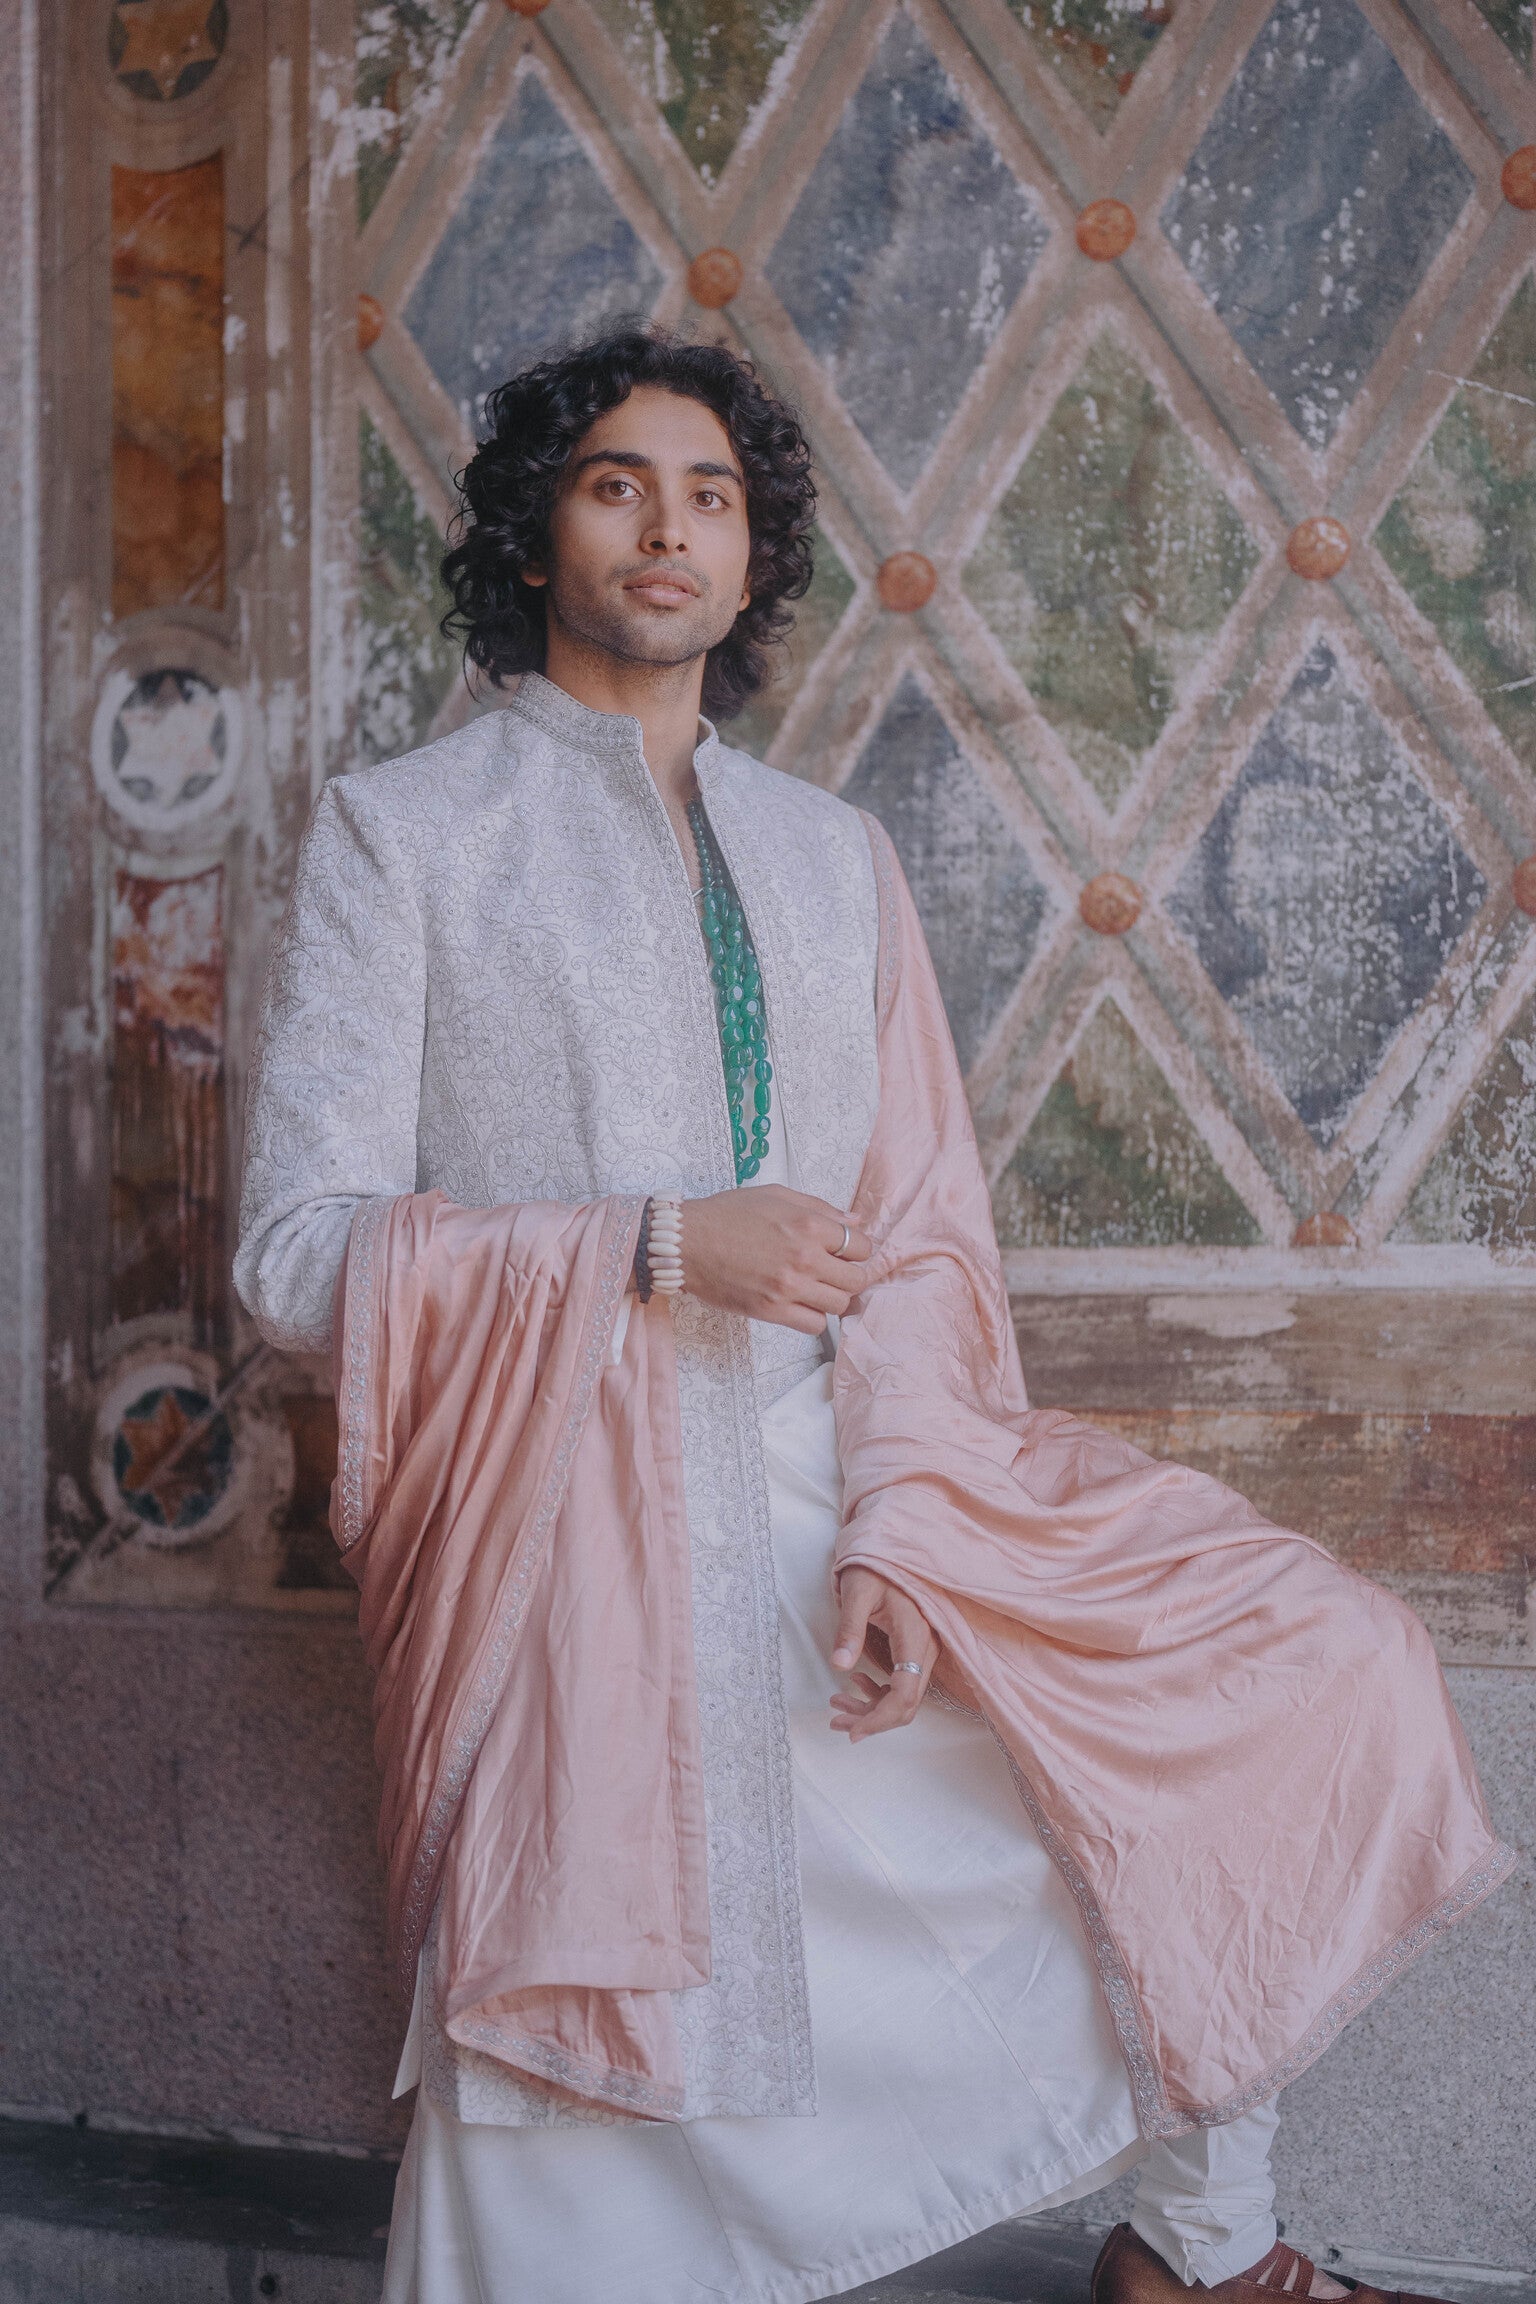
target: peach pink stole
<point>1242,1756</point>
<point>510,1502</point>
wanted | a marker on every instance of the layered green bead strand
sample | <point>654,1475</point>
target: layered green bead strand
<point>738,986</point>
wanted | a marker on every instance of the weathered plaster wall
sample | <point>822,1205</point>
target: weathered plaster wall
<point>1219,859</point>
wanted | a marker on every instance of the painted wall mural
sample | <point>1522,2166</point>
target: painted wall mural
<point>188,1466</point>
<point>1169,370</point>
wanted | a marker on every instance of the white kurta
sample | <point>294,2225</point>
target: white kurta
<point>966,2065</point>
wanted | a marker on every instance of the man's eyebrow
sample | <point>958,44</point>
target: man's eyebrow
<point>633,460</point>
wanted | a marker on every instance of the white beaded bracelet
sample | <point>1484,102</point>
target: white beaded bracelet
<point>665,1250</point>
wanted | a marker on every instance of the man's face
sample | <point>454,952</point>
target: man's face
<point>649,533</point>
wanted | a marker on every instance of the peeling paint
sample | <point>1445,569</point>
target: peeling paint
<point>1461,534</point>
<point>1481,1184</point>
<point>404,49</point>
<point>1448,1495</point>
<point>408,666</point>
<point>906,251</point>
<point>1112,1159</point>
<point>1109,567</point>
<point>707,68</point>
<point>1095,47</point>
<point>168,408</point>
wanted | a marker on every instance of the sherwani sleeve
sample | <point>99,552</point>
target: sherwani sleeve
<point>336,1080</point>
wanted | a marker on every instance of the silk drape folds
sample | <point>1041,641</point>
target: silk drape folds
<point>509,1500</point>
<point>1242,1756</point>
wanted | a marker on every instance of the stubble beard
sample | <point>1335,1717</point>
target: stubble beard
<point>638,635</point>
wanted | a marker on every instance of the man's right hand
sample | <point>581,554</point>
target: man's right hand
<point>769,1252</point>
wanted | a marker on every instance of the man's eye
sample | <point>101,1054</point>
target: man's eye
<point>708,496</point>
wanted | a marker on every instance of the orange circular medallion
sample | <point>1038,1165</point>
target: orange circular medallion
<point>1110,904</point>
<point>714,277</point>
<point>906,581</point>
<point>1318,547</point>
<point>1105,230</point>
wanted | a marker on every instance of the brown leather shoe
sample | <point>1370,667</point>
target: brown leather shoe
<point>1129,2272</point>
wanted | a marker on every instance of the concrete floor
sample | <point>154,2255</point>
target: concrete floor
<point>93,2217</point>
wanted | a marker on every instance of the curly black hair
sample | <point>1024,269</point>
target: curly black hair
<point>508,488</point>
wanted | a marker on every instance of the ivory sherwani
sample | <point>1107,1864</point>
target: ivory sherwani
<point>491,981</point>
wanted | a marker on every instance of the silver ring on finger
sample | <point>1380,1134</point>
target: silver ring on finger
<point>842,1247</point>
<point>906,1667</point>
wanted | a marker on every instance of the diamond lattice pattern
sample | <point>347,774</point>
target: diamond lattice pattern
<point>1111,1159</point>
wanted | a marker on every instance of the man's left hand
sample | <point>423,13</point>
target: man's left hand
<point>866,1601</point>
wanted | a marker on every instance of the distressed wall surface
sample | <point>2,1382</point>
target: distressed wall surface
<point>1170,373</point>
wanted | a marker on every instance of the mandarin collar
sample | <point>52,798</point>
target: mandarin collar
<point>560,716</point>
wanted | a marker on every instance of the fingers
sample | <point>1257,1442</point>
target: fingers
<point>858,1595</point>
<point>824,1227</point>
<point>869,1708</point>
<point>767,1251</point>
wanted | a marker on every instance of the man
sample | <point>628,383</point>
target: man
<point>606,1120</point>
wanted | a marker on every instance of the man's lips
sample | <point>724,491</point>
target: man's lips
<point>665,589</point>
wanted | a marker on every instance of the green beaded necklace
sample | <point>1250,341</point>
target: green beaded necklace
<point>738,999</point>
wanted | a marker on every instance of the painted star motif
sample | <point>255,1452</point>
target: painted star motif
<point>162,38</point>
<point>169,753</point>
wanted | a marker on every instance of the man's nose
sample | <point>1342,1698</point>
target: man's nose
<point>666,533</point>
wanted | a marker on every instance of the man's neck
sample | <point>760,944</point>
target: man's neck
<point>664,698</point>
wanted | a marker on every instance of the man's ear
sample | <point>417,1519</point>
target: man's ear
<point>534,573</point>
<point>744,602</point>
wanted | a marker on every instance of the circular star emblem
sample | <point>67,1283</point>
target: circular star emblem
<point>164,746</point>
<point>163,49</point>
